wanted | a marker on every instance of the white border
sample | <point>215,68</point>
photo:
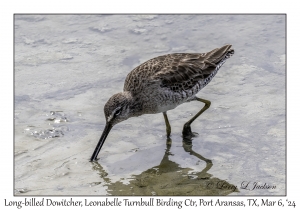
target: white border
<point>8,8</point>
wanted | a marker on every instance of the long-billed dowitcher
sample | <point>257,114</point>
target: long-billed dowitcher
<point>161,84</point>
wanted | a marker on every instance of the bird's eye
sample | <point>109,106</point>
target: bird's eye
<point>118,112</point>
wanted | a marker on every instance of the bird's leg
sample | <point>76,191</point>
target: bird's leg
<point>187,126</point>
<point>168,126</point>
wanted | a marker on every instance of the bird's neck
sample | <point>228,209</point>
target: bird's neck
<point>134,104</point>
<point>128,97</point>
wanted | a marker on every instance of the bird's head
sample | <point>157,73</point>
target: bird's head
<point>118,108</point>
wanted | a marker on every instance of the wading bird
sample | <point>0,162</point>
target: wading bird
<point>161,84</point>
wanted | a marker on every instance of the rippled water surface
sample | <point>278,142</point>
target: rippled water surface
<point>67,67</point>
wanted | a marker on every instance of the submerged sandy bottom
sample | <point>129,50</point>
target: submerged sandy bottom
<point>67,66</point>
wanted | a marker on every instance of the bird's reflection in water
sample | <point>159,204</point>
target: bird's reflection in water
<point>168,178</point>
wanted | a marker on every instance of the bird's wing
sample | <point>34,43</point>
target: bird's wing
<point>183,71</point>
<point>178,70</point>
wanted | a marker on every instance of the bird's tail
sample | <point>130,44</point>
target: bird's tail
<point>219,54</point>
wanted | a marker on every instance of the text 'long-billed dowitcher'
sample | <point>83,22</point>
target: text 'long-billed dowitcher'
<point>161,84</point>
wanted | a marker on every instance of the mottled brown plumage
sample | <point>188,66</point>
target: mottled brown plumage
<point>178,69</point>
<point>161,84</point>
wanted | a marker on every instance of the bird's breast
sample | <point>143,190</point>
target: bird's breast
<point>164,100</point>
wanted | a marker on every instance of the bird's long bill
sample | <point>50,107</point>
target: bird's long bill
<point>101,141</point>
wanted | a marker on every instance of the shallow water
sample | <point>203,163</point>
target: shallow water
<point>67,67</point>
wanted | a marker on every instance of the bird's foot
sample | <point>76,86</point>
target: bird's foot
<point>187,132</point>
